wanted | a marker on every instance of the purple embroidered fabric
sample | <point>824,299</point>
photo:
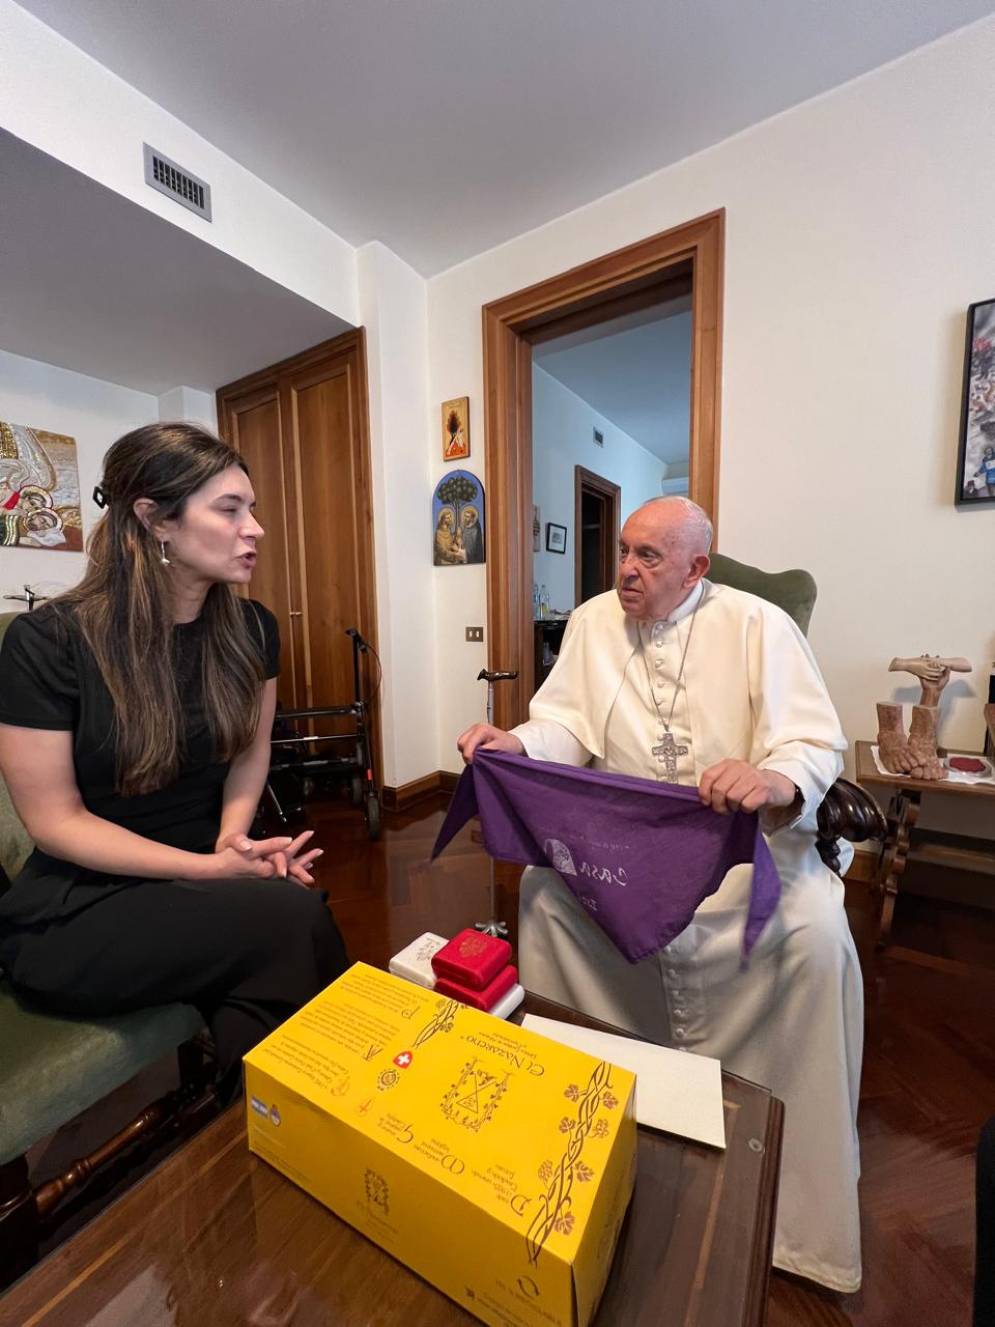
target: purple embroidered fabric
<point>640,857</point>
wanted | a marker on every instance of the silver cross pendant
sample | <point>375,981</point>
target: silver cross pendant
<point>667,753</point>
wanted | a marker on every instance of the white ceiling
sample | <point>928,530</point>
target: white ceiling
<point>636,372</point>
<point>95,283</point>
<point>443,127</point>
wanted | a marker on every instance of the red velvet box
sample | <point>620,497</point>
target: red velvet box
<point>471,959</point>
<point>484,1000</point>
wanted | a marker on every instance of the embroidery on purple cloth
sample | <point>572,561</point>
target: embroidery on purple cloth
<point>639,856</point>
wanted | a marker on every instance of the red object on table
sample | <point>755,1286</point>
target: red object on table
<point>471,960</point>
<point>967,764</point>
<point>484,1000</point>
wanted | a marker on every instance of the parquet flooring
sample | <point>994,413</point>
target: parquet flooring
<point>929,1067</point>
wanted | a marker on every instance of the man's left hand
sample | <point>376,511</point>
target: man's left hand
<point>735,785</point>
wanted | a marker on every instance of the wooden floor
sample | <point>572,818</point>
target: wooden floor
<point>929,1067</point>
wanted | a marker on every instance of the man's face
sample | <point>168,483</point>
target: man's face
<point>657,567</point>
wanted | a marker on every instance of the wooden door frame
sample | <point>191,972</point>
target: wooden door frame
<point>587,481</point>
<point>585,294</point>
<point>275,377</point>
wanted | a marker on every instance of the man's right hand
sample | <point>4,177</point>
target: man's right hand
<point>488,737</point>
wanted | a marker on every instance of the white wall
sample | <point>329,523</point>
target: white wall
<point>191,405</point>
<point>563,437</point>
<point>87,409</point>
<point>61,100</point>
<point>394,313</point>
<point>858,229</point>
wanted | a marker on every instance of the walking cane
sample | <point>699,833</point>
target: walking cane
<point>493,927</point>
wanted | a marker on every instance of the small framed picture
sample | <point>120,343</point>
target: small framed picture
<point>456,429</point>
<point>556,538</point>
<point>976,457</point>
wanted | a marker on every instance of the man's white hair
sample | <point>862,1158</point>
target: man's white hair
<point>696,524</point>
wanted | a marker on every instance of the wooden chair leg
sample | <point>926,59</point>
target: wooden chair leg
<point>182,1111</point>
<point>19,1225</point>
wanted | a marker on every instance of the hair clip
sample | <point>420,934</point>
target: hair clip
<point>99,496</point>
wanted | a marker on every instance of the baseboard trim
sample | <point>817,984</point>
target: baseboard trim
<point>400,798</point>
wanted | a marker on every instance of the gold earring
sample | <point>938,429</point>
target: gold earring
<point>162,554</point>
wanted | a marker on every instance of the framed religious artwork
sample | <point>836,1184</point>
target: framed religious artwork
<point>39,490</point>
<point>556,538</point>
<point>458,520</point>
<point>976,456</point>
<point>456,429</point>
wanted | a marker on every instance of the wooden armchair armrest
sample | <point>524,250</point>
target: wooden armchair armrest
<point>847,812</point>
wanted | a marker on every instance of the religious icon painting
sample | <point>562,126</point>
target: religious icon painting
<point>39,490</point>
<point>458,520</point>
<point>456,429</point>
<point>976,458</point>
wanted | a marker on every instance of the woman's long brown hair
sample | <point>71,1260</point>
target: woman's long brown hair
<point>124,608</point>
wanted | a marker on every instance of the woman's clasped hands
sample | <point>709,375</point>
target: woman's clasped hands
<point>236,855</point>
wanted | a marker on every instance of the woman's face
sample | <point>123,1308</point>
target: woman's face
<point>215,538</point>
<point>445,520</point>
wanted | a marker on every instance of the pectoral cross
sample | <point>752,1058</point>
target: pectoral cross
<point>667,753</point>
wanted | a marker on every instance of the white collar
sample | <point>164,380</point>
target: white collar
<point>683,609</point>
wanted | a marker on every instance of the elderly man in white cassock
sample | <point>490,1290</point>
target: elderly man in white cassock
<point>676,679</point>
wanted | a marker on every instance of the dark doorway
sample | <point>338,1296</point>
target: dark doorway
<point>596,524</point>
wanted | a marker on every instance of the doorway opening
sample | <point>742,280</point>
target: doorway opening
<point>597,518</point>
<point>683,263</point>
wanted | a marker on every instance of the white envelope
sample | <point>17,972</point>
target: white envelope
<point>676,1091</point>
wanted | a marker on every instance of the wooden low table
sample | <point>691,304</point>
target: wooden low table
<point>899,847</point>
<point>214,1237</point>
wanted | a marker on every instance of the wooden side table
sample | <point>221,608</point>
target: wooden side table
<point>935,847</point>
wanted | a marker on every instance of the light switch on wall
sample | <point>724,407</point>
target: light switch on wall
<point>475,633</point>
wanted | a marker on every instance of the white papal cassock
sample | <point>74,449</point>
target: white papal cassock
<point>793,1018</point>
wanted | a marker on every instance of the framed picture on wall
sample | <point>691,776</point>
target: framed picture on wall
<point>556,538</point>
<point>458,520</point>
<point>39,490</point>
<point>976,457</point>
<point>456,429</point>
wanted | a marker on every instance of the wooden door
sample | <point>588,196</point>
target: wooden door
<point>302,427</point>
<point>325,424</point>
<point>253,424</point>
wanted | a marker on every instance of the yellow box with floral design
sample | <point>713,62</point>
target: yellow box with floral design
<point>493,1162</point>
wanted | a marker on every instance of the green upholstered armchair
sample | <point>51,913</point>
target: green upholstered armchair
<point>53,1068</point>
<point>847,812</point>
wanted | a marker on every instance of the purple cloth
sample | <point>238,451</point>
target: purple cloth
<point>639,856</point>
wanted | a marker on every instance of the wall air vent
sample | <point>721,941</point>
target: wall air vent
<point>176,182</point>
<point>599,438</point>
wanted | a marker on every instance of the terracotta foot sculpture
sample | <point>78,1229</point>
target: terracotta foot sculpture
<point>922,742</point>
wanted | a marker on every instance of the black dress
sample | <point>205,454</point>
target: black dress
<point>246,952</point>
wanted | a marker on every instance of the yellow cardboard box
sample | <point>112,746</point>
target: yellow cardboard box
<point>495,1163</point>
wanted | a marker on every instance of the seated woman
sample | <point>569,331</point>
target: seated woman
<point>135,719</point>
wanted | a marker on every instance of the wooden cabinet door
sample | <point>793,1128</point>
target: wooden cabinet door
<point>325,421</point>
<point>302,427</point>
<point>253,425</point>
